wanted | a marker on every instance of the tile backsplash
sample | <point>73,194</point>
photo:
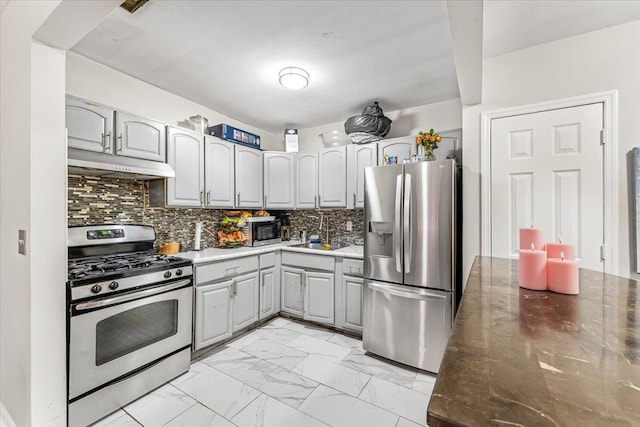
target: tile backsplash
<point>100,200</point>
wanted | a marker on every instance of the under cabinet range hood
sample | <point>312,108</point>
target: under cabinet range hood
<point>101,164</point>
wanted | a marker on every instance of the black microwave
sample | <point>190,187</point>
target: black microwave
<point>262,231</point>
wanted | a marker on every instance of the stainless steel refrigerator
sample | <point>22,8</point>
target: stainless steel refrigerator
<point>409,261</point>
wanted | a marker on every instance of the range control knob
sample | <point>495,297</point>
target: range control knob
<point>96,289</point>
<point>114,285</point>
<point>167,274</point>
<point>179,272</point>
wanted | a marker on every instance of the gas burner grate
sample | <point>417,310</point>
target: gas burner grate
<point>96,266</point>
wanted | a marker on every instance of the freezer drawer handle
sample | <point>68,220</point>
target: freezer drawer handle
<point>422,295</point>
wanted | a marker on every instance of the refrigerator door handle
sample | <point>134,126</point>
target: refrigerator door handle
<point>407,234</point>
<point>396,226</point>
<point>408,293</point>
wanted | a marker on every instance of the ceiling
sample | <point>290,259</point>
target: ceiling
<point>225,55</point>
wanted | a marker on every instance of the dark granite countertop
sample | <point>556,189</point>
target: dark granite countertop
<point>536,358</point>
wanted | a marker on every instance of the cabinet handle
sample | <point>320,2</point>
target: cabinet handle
<point>208,197</point>
<point>265,201</point>
<point>315,201</point>
<point>105,137</point>
<point>201,196</point>
<point>119,144</point>
<point>238,204</point>
<point>354,200</point>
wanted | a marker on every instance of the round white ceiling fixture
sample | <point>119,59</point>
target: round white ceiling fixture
<point>294,78</point>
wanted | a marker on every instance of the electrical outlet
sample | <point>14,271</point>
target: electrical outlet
<point>349,226</point>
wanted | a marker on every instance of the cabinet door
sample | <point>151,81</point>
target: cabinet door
<point>248,177</point>
<point>267,292</point>
<point>319,297</point>
<point>332,186</point>
<point>89,125</point>
<point>185,155</point>
<point>139,137</point>
<point>307,179</point>
<point>353,300</point>
<point>400,147</point>
<point>245,301</point>
<point>358,158</point>
<point>219,170</point>
<point>292,297</point>
<point>279,180</point>
<point>213,314</point>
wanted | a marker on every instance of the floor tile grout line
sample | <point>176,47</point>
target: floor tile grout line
<point>364,401</point>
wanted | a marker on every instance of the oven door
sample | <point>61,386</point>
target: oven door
<point>113,336</point>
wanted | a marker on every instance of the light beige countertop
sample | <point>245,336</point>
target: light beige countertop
<point>217,254</point>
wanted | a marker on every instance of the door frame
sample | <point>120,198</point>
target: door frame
<point>610,166</point>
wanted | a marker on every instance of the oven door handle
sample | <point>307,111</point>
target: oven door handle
<point>131,297</point>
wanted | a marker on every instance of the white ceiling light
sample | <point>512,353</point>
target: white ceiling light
<point>294,78</point>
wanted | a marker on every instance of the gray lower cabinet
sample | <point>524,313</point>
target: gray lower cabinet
<point>292,296</point>
<point>352,288</point>
<point>319,298</point>
<point>268,283</point>
<point>244,301</point>
<point>309,294</point>
<point>212,321</point>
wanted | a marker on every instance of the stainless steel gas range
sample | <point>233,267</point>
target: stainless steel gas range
<point>129,318</point>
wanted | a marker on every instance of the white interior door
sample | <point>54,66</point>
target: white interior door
<point>547,171</point>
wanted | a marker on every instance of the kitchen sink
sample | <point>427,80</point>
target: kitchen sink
<point>314,246</point>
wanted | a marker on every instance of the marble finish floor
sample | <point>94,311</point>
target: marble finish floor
<point>286,374</point>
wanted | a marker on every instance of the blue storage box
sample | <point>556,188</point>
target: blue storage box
<point>236,135</point>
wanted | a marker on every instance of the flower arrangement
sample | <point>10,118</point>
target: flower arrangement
<point>429,141</point>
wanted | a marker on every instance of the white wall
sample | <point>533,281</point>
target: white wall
<point>96,82</point>
<point>599,61</point>
<point>441,116</point>
<point>32,173</point>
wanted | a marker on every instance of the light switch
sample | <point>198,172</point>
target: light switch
<point>349,226</point>
<point>22,242</point>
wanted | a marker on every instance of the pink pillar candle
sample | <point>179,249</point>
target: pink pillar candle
<point>531,235</point>
<point>555,249</point>
<point>562,276</point>
<point>533,269</point>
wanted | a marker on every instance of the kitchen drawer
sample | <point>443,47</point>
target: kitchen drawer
<point>316,262</point>
<point>225,269</point>
<point>267,260</point>
<point>352,267</point>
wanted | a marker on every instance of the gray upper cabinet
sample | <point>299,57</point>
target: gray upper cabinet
<point>185,154</point>
<point>279,180</point>
<point>307,179</point>
<point>139,137</point>
<point>248,177</point>
<point>401,147</point>
<point>218,172</point>
<point>89,125</point>
<point>358,158</point>
<point>332,186</point>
